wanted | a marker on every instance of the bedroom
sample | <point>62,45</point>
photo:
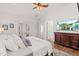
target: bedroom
<point>22,20</point>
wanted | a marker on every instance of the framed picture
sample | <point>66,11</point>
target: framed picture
<point>5,27</point>
<point>11,25</point>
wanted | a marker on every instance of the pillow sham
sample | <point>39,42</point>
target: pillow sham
<point>10,44</point>
<point>18,41</point>
<point>26,41</point>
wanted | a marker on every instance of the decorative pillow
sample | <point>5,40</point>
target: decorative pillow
<point>2,47</point>
<point>10,44</point>
<point>18,41</point>
<point>26,42</point>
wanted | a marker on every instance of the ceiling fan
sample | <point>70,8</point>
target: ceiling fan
<point>40,6</point>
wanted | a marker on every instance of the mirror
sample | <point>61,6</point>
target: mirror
<point>70,25</point>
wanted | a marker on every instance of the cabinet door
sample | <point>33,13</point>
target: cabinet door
<point>65,39</point>
<point>74,41</point>
<point>74,37</point>
<point>57,37</point>
<point>74,45</point>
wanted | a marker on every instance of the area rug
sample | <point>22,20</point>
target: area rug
<point>57,52</point>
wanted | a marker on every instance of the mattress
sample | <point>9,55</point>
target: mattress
<point>40,47</point>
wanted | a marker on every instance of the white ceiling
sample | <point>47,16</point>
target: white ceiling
<point>26,9</point>
<point>21,9</point>
<point>17,9</point>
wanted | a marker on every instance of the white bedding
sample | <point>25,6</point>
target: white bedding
<point>40,47</point>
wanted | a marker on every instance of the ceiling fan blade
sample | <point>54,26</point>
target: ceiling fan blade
<point>35,3</point>
<point>45,5</point>
<point>34,7</point>
<point>41,4</point>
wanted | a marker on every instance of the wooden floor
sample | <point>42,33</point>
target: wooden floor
<point>67,49</point>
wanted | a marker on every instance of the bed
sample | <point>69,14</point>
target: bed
<point>39,46</point>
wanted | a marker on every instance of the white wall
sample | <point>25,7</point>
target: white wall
<point>18,13</point>
<point>24,13</point>
<point>58,12</point>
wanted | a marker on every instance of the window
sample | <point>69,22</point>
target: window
<point>41,30</point>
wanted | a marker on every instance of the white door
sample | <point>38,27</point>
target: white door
<point>46,30</point>
<point>49,30</point>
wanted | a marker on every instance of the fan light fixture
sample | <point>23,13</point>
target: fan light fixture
<point>40,6</point>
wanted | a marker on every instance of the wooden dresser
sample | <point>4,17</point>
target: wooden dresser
<point>67,39</point>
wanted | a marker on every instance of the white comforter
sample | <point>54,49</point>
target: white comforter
<point>40,47</point>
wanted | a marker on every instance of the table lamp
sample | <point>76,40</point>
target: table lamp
<point>1,29</point>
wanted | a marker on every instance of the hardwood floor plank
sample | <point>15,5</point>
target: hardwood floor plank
<point>71,51</point>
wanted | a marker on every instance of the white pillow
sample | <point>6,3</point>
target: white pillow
<point>2,47</point>
<point>18,41</point>
<point>9,43</point>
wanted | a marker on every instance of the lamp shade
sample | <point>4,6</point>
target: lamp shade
<point>1,29</point>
